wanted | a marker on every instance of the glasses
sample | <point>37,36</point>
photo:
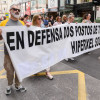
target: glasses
<point>39,19</point>
<point>16,9</point>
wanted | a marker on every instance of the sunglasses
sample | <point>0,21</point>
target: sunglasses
<point>16,9</point>
<point>39,18</point>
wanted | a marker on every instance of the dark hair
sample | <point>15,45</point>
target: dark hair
<point>85,16</point>
<point>22,18</point>
<point>50,16</point>
<point>26,15</point>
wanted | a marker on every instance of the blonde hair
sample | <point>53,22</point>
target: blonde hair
<point>35,17</point>
<point>70,15</point>
<point>63,17</point>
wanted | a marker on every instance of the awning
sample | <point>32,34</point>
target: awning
<point>66,10</point>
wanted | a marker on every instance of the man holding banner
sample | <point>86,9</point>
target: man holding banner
<point>13,21</point>
<point>32,50</point>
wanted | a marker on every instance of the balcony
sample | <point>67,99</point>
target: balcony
<point>83,1</point>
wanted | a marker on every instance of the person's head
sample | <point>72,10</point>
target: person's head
<point>4,17</point>
<point>71,18</point>
<point>1,19</point>
<point>51,17</point>
<point>26,16</point>
<point>22,18</point>
<point>71,13</point>
<point>43,18</point>
<point>15,11</point>
<point>64,18</point>
<point>87,16</point>
<point>58,19</point>
<point>36,20</point>
<point>46,18</point>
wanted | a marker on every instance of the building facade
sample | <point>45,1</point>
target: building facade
<point>4,7</point>
<point>52,7</point>
<point>86,6</point>
<point>97,11</point>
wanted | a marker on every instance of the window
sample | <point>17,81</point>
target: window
<point>69,1</point>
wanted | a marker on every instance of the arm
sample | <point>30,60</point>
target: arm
<point>49,24</point>
<point>0,34</point>
<point>55,24</point>
<point>83,21</point>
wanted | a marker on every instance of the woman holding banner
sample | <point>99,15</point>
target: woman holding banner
<point>37,23</point>
<point>86,19</point>
<point>70,20</point>
<point>58,21</point>
<point>64,19</point>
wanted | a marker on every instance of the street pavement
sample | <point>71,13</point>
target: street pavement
<point>73,80</point>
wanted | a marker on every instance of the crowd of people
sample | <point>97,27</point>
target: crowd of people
<point>39,22</point>
<point>51,21</point>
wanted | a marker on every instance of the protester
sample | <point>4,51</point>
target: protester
<point>22,19</point>
<point>36,22</point>
<point>86,18</point>
<point>26,20</point>
<point>13,21</point>
<point>42,22</point>
<point>43,18</point>
<point>70,20</point>
<point>4,17</point>
<point>51,21</point>
<point>1,19</point>
<point>58,21</point>
<point>64,19</point>
<point>46,21</point>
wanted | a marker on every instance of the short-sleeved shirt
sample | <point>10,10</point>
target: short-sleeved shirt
<point>45,22</point>
<point>11,23</point>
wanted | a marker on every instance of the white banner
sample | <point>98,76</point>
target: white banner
<point>34,49</point>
